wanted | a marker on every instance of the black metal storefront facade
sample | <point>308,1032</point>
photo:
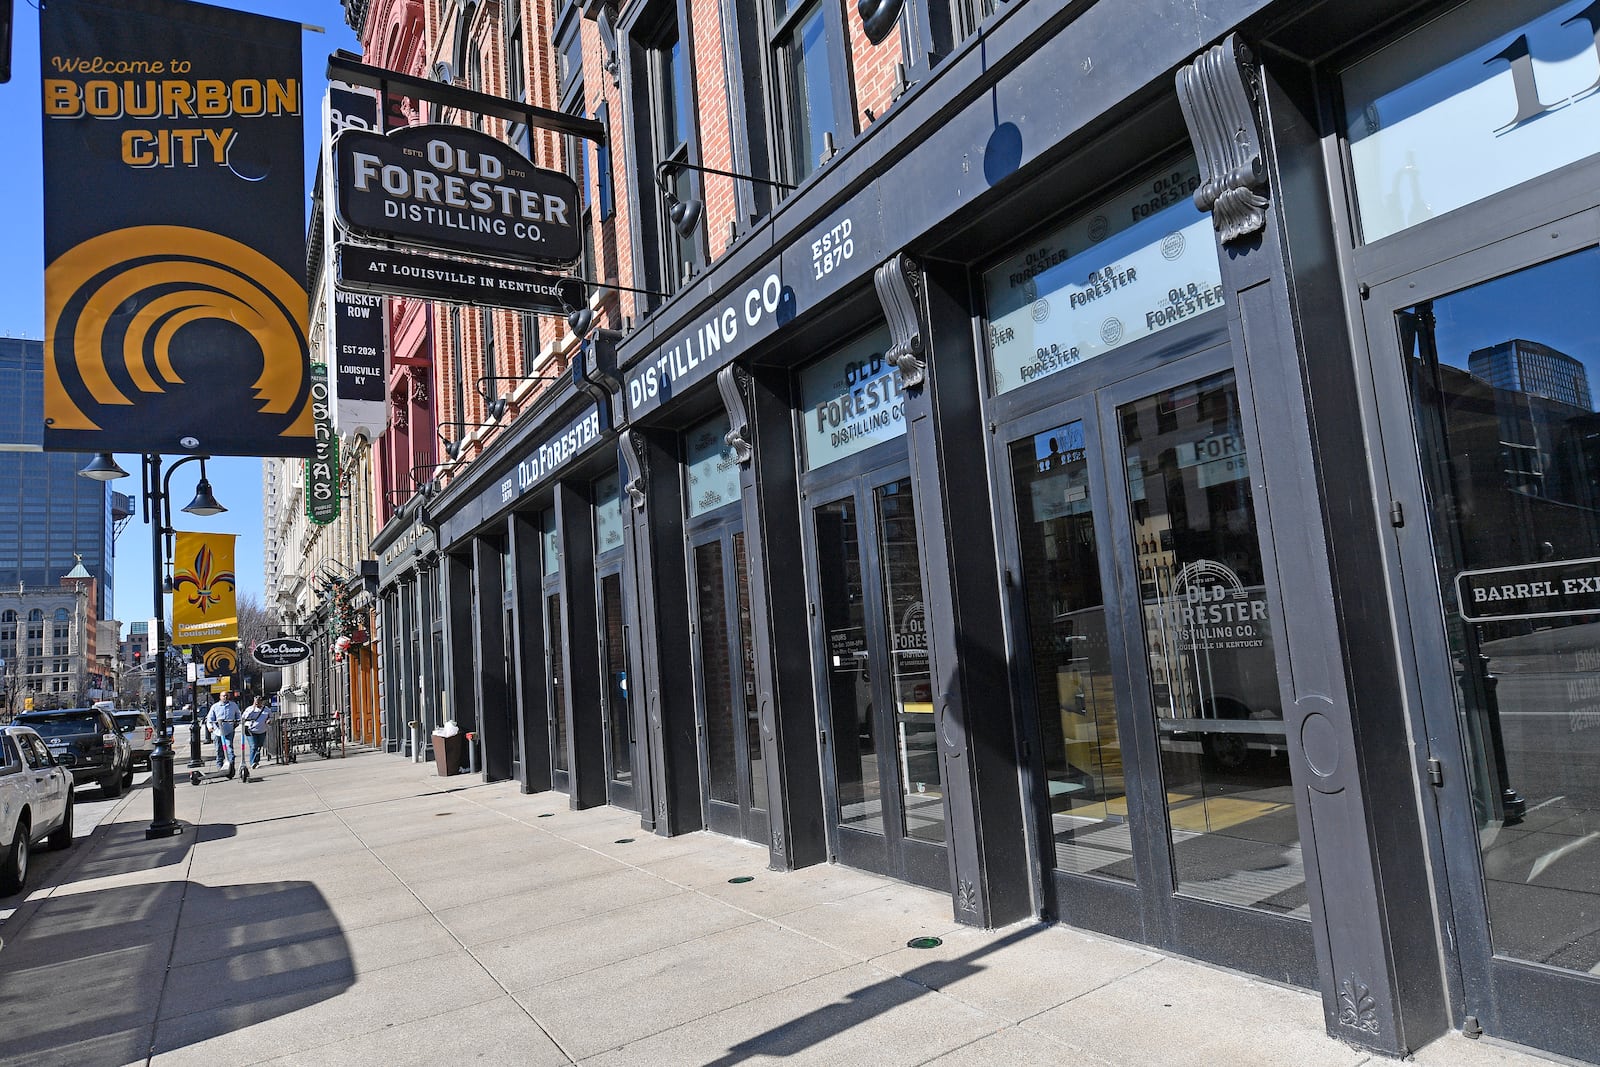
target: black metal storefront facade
<point>1142,635</point>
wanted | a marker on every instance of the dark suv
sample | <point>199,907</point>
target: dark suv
<point>87,742</point>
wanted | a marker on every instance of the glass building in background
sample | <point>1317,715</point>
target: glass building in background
<point>48,515</point>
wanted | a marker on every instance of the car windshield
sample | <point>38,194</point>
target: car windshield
<point>56,725</point>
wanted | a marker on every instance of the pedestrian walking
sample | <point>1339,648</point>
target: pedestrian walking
<point>257,717</point>
<point>222,719</point>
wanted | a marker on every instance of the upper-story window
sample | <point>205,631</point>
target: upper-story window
<point>673,134</point>
<point>813,90</point>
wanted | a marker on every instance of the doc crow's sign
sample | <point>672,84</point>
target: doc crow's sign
<point>282,652</point>
<point>455,189</point>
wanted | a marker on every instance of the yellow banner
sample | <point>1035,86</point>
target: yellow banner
<point>203,606</point>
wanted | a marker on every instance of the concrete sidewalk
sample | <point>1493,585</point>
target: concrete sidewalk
<point>364,911</point>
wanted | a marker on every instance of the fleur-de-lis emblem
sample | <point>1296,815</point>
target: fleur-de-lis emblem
<point>204,583</point>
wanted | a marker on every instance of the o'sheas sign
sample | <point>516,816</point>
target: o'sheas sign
<point>322,469</point>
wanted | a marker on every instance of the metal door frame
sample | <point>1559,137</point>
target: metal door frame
<point>618,794</point>
<point>892,854</point>
<point>1514,999</point>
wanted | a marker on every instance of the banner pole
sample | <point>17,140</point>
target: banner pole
<point>164,823</point>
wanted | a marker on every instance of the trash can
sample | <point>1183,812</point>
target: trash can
<point>447,753</point>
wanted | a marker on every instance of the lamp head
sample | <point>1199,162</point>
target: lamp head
<point>204,504</point>
<point>452,449</point>
<point>580,320</point>
<point>684,215</point>
<point>103,468</point>
<point>497,408</point>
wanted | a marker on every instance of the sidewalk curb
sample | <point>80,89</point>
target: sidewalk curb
<point>81,851</point>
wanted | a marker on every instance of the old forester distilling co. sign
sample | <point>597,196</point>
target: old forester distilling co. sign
<point>452,188</point>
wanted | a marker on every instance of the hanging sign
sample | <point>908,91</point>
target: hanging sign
<point>174,189</point>
<point>397,272</point>
<point>219,660</point>
<point>356,335</point>
<point>1535,591</point>
<point>457,190</point>
<point>322,469</point>
<point>204,610</point>
<point>282,652</point>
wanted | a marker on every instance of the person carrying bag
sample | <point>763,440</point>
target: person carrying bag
<point>257,717</point>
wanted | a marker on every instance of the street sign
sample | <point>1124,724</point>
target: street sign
<point>399,272</point>
<point>282,652</point>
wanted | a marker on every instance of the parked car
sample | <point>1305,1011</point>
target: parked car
<point>36,798</point>
<point>87,742</point>
<point>140,732</point>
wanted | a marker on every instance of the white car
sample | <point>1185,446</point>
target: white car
<point>36,798</point>
<point>140,732</point>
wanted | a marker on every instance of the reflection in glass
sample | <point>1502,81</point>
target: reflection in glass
<point>1080,748</point>
<point>922,810</point>
<point>1209,649</point>
<point>620,737</point>
<point>844,628</point>
<point>755,765</point>
<point>1502,378</point>
<point>558,685</point>
<point>810,92</point>
<point>722,783</point>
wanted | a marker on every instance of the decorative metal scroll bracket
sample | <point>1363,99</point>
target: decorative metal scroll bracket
<point>899,285</point>
<point>1218,92</point>
<point>738,436</point>
<point>634,483</point>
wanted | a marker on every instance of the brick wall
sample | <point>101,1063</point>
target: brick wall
<point>872,67</point>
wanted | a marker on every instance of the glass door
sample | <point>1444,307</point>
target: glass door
<point>1492,369</point>
<point>732,770</point>
<point>885,783</point>
<point>1148,673</point>
<point>615,713</point>
<point>556,693</point>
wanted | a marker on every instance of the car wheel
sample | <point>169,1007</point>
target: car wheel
<point>14,868</point>
<point>61,836</point>
<point>111,784</point>
<point>127,777</point>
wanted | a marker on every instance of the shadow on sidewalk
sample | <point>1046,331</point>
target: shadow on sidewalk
<point>88,976</point>
<point>122,849</point>
<point>864,1004</point>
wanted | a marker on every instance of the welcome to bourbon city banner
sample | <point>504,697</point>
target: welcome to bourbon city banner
<point>174,174</point>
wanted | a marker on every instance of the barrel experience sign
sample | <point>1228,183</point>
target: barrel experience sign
<point>322,469</point>
<point>1536,591</point>
<point>458,190</point>
<point>174,221</point>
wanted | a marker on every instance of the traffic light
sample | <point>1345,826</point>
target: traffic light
<point>5,40</point>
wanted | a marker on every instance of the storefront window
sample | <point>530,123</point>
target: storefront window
<point>549,544</point>
<point>1209,649</point>
<point>851,401</point>
<point>1070,655</point>
<point>1488,96</point>
<point>1125,269</point>
<point>608,513</point>
<point>711,470</point>
<point>1502,378</point>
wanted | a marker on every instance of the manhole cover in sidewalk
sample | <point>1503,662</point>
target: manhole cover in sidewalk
<point>742,879</point>
<point>924,942</point>
<point>546,814</point>
<point>623,841</point>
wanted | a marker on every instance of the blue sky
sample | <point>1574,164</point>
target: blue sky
<point>235,481</point>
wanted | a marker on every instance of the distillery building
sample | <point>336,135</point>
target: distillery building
<point>1127,465</point>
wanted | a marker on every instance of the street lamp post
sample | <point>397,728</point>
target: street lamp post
<point>158,513</point>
